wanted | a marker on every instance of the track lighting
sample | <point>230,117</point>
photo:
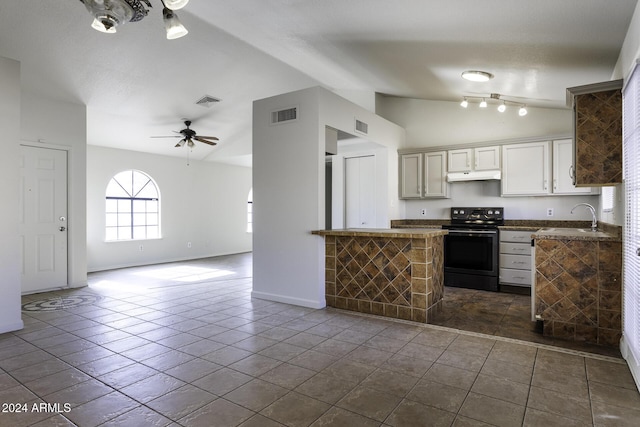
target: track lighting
<point>502,106</point>
<point>110,14</point>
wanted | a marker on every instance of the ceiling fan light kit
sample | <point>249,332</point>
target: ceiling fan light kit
<point>502,106</point>
<point>109,14</point>
<point>188,135</point>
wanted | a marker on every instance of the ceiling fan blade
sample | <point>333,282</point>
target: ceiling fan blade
<point>209,137</point>
<point>199,138</point>
<point>176,136</point>
<point>181,142</point>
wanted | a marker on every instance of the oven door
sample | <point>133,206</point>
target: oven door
<point>471,252</point>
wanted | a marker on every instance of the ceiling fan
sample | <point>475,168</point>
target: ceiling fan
<point>188,135</point>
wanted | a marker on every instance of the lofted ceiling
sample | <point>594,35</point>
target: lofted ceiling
<point>137,84</point>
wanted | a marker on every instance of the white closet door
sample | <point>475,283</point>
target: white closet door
<point>360,192</point>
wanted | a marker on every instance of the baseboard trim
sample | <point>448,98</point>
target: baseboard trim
<point>289,300</point>
<point>632,362</point>
<point>11,327</point>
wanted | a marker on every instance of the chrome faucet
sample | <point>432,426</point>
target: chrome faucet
<point>594,222</point>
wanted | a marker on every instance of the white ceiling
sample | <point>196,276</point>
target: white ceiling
<point>137,84</point>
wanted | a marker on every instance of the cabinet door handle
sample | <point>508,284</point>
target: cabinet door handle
<point>545,184</point>
<point>555,184</point>
<point>571,175</point>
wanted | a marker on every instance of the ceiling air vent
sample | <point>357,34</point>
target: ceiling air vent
<point>362,127</point>
<point>207,101</point>
<point>286,115</point>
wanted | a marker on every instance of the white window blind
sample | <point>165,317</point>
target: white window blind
<point>631,238</point>
<point>608,198</point>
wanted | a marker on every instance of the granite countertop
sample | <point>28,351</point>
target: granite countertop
<point>383,232</point>
<point>574,234</point>
<point>540,229</point>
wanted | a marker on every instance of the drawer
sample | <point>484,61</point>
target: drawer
<point>515,248</point>
<point>520,277</point>
<point>517,262</point>
<point>515,236</point>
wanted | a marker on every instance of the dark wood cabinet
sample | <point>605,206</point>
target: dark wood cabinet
<point>598,133</point>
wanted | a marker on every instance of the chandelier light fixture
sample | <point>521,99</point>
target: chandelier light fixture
<point>502,103</point>
<point>110,14</point>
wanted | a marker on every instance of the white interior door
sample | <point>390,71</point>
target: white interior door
<point>43,218</point>
<point>360,192</point>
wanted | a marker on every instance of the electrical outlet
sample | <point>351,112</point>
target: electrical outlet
<point>189,244</point>
<point>423,212</point>
<point>141,248</point>
<point>549,211</point>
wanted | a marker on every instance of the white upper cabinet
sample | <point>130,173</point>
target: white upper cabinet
<point>411,176</point>
<point>525,169</point>
<point>423,175</point>
<point>468,159</point>
<point>562,173</point>
<point>486,158</point>
<point>435,175</point>
<point>460,160</point>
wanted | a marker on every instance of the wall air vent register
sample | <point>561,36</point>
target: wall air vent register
<point>284,116</point>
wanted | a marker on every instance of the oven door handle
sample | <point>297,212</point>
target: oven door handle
<point>472,232</point>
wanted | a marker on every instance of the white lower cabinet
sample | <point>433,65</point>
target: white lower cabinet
<point>515,258</point>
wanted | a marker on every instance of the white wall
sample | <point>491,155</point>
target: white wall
<point>289,189</point>
<point>204,203</point>
<point>55,124</point>
<point>487,193</point>
<point>9,191</point>
<point>437,123</point>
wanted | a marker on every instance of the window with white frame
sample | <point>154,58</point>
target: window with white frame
<point>608,198</point>
<point>631,236</point>
<point>132,207</point>
<point>250,212</point>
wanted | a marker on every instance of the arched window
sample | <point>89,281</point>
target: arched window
<point>250,212</point>
<point>132,207</point>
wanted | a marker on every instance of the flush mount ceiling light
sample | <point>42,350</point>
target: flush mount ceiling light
<point>477,76</point>
<point>502,106</point>
<point>109,14</point>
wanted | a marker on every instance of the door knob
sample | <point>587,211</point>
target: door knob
<point>63,228</point>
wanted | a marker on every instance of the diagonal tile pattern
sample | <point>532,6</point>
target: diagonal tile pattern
<point>174,352</point>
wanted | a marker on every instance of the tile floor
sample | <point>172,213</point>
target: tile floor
<point>184,344</point>
<point>502,314</point>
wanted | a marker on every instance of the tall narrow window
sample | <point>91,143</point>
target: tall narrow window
<point>132,207</point>
<point>250,212</point>
<point>631,237</point>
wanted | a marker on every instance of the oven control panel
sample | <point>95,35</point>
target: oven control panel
<point>477,214</point>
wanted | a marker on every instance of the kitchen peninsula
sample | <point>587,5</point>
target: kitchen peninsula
<point>389,272</point>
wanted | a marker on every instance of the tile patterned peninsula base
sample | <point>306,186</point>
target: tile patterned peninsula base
<point>578,285</point>
<point>395,273</point>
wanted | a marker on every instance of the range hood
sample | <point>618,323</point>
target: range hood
<point>473,176</point>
